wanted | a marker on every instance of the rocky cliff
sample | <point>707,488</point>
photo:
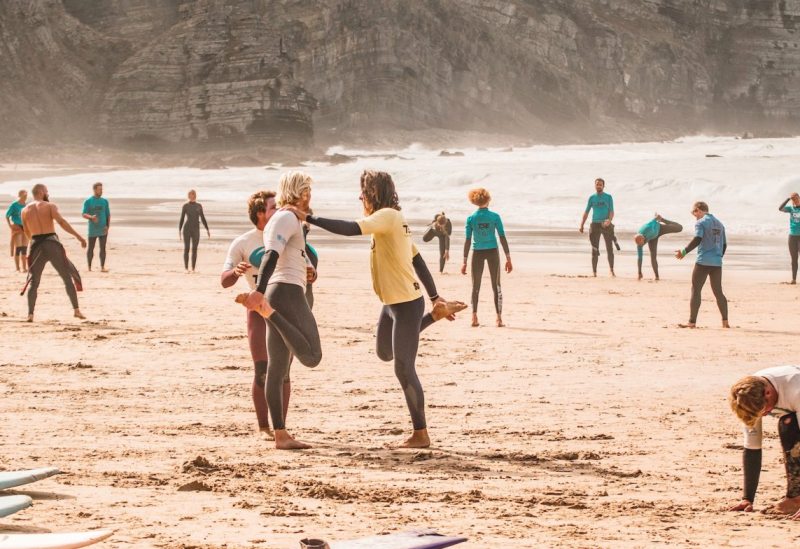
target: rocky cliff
<point>268,71</point>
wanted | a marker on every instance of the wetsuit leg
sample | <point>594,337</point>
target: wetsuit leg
<point>383,336</point>
<point>715,275</point>
<point>594,240</point>
<point>668,227</point>
<point>494,272</point>
<point>653,246</point>
<point>789,433</point>
<point>53,253</point>
<point>37,265</point>
<point>310,295</point>
<point>608,237</point>
<point>103,240</point>
<point>257,338</point>
<point>195,243</point>
<point>186,238</point>
<point>90,250</point>
<point>478,258</point>
<point>794,252</point>
<point>294,322</point>
<point>406,325</point>
<point>442,251</point>
<point>699,275</point>
<point>278,368</point>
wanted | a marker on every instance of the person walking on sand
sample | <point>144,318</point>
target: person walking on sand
<point>393,261</point>
<point>19,242</point>
<point>481,227</point>
<point>772,391</point>
<point>711,243</point>
<point>192,214</point>
<point>98,215</point>
<point>602,207</point>
<point>38,219</point>
<point>280,298</point>
<point>441,228</point>
<point>794,230</point>
<point>649,233</point>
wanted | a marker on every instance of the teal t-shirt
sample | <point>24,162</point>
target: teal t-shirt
<point>649,231</point>
<point>712,243</point>
<point>99,207</point>
<point>15,212</point>
<point>794,219</point>
<point>481,228</point>
<point>602,205</point>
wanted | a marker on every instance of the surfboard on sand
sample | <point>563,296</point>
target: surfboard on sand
<point>71,540</point>
<point>422,539</point>
<point>11,504</point>
<point>12,479</point>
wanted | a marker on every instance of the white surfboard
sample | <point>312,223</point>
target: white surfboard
<point>11,504</point>
<point>424,539</point>
<point>71,540</point>
<point>12,479</point>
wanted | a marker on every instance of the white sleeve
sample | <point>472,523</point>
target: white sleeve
<point>234,256</point>
<point>279,230</point>
<point>753,436</point>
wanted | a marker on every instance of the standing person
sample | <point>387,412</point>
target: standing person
<point>19,242</point>
<point>794,230</point>
<point>243,260</point>
<point>441,228</point>
<point>280,297</point>
<point>776,392</point>
<point>192,214</point>
<point>602,206</point>
<point>393,260</point>
<point>480,229</point>
<point>98,214</point>
<point>709,235</point>
<point>38,219</point>
<point>650,232</point>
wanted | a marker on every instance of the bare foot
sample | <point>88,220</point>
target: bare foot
<point>284,441</point>
<point>30,318</point>
<point>500,322</point>
<point>443,309</point>
<point>475,322</point>
<point>612,274</point>
<point>79,314</point>
<point>187,271</point>
<point>419,439</point>
<point>594,274</point>
<point>657,279</point>
<point>265,433</point>
<point>103,269</point>
<point>793,282</point>
<point>725,324</point>
<point>264,310</point>
<point>641,276</point>
<point>688,325</point>
<point>90,268</point>
<point>788,506</point>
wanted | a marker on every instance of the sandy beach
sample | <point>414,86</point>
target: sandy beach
<point>591,420</point>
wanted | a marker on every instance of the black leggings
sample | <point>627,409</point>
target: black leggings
<point>90,250</point>
<point>667,228</point>
<point>397,339</point>
<point>190,236</point>
<point>444,247</point>
<point>794,251</point>
<point>492,257</point>
<point>595,230</point>
<point>789,433</point>
<point>699,275</point>
<point>292,331</point>
<point>50,251</point>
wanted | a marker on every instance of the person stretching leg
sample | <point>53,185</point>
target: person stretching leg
<point>650,232</point>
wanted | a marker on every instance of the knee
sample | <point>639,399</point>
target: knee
<point>385,355</point>
<point>789,432</point>
<point>260,372</point>
<point>313,360</point>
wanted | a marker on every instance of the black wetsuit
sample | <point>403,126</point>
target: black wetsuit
<point>794,240</point>
<point>192,214</point>
<point>665,227</point>
<point>789,433</point>
<point>46,248</point>
<point>443,234</point>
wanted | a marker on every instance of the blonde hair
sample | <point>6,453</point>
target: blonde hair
<point>479,197</point>
<point>291,187</point>
<point>748,400</point>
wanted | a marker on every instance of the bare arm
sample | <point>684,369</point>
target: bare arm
<point>65,224</point>
<point>583,220</point>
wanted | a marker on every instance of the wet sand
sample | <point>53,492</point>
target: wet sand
<point>591,420</point>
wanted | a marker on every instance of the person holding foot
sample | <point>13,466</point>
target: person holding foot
<point>481,227</point>
<point>602,207</point>
<point>649,233</point>
<point>776,392</point>
<point>98,214</point>
<point>711,243</point>
<point>794,230</point>
<point>39,219</point>
<point>394,260</point>
<point>280,298</point>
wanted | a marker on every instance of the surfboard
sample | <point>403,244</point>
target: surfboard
<point>11,504</point>
<point>11,479</point>
<point>71,540</point>
<point>423,539</point>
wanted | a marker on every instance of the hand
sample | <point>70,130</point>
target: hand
<point>509,267</point>
<point>82,241</point>
<point>94,219</point>
<point>254,300</point>
<point>606,223</point>
<point>241,268</point>
<point>311,274</point>
<point>437,300</point>
<point>464,268</point>
<point>745,506</point>
<point>299,214</point>
<point>580,230</point>
<point>679,254</point>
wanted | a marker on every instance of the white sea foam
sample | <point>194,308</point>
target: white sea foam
<point>541,186</point>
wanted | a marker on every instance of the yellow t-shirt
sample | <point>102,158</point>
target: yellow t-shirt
<point>391,257</point>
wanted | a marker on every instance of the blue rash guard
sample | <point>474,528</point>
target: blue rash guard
<point>649,231</point>
<point>794,219</point>
<point>15,212</point>
<point>712,241</point>
<point>481,228</point>
<point>99,207</point>
<point>602,206</point>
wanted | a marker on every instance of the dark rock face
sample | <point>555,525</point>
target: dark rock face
<point>268,71</point>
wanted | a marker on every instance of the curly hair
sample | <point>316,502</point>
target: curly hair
<point>480,197</point>
<point>258,203</point>
<point>378,191</point>
<point>748,400</point>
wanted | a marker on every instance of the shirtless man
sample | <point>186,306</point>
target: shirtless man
<point>19,244</point>
<point>38,219</point>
